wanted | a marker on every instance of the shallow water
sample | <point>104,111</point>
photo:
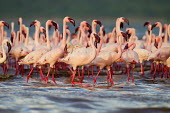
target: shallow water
<point>145,95</point>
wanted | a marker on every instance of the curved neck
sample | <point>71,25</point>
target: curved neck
<point>47,36</point>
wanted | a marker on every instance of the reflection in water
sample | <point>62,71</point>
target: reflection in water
<point>145,95</point>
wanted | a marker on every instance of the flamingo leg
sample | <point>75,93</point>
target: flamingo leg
<point>16,66</point>
<point>28,76</point>
<point>82,74</point>
<point>41,74</point>
<point>128,72</point>
<point>110,77</point>
<point>94,80</point>
<point>133,79</point>
<point>142,69</point>
<point>48,74</point>
<point>154,75</point>
<point>152,68</point>
<point>53,78</point>
<point>92,71</point>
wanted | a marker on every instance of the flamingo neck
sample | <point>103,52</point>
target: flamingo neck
<point>100,44</point>
<point>93,52</point>
<point>12,27</point>
<point>160,30</point>
<point>117,25</point>
<point>83,35</point>
<point>64,36</point>
<point>47,36</point>
<point>37,31</point>
<point>93,27</point>
<point>27,38</point>
<point>69,37</point>
<point>166,36</point>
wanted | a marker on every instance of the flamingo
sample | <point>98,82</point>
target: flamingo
<point>52,56</point>
<point>106,58</point>
<point>81,57</point>
<point>33,56</point>
<point>142,53</point>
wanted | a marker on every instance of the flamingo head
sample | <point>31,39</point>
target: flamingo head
<point>147,23</point>
<point>97,22</point>
<point>35,23</point>
<point>68,19</point>
<point>157,24</point>
<point>123,19</point>
<point>3,23</point>
<point>52,23</point>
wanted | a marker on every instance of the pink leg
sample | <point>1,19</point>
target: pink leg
<point>16,66</point>
<point>110,77</point>
<point>41,74</point>
<point>154,75</point>
<point>94,80</point>
<point>128,73</point>
<point>142,69</point>
<point>82,75</point>
<point>92,71</point>
<point>152,67</point>
<point>53,79</point>
<point>133,79</point>
<point>46,79</point>
<point>28,76</point>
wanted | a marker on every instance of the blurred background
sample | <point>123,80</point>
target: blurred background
<point>137,11</point>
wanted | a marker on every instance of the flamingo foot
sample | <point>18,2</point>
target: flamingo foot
<point>80,84</point>
<point>46,80</point>
<point>27,78</point>
<point>133,80</point>
<point>142,73</point>
<point>128,79</point>
<point>112,83</point>
<point>54,81</point>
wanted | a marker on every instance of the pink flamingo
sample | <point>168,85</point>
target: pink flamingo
<point>52,56</point>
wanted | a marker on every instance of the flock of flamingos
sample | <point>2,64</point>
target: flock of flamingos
<point>84,49</point>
